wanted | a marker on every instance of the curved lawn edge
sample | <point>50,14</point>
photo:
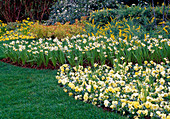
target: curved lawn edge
<point>31,93</point>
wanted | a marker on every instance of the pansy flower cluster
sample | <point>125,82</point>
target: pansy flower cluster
<point>136,90</point>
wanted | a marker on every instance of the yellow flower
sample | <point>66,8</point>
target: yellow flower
<point>139,112</point>
<point>147,104</point>
<point>155,106</point>
<point>76,89</point>
<point>168,117</point>
<point>71,85</point>
<point>95,65</point>
<point>146,112</point>
<point>115,60</point>
<point>103,77</point>
<point>123,104</point>
<point>106,90</point>
<point>70,93</point>
<point>122,83</point>
<point>59,81</point>
<point>136,104</point>
<point>145,62</point>
<point>95,87</point>
<point>113,106</point>
<point>151,114</point>
<point>85,96</point>
<point>122,58</point>
<point>136,68</point>
<point>162,81</point>
<point>147,79</point>
<point>65,90</point>
<point>136,73</point>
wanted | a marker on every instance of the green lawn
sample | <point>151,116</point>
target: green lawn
<point>31,93</point>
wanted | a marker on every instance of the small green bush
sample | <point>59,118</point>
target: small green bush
<point>103,16</point>
<point>127,29</point>
<point>143,16</point>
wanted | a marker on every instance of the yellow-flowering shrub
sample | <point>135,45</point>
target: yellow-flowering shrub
<point>60,30</point>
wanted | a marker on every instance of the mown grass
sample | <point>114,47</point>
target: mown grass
<point>31,93</point>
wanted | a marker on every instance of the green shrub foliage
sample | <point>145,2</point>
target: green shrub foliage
<point>69,10</point>
<point>142,15</point>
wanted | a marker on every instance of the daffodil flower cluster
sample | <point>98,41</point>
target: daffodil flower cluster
<point>82,49</point>
<point>137,90</point>
<point>22,31</point>
<point>2,28</point>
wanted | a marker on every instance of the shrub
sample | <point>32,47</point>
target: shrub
<point>69,10</point>
<point>12,10</point>
<point>126,29</point>
<point>59,30</point>
<point>143,16</point>
<point>102,17</point>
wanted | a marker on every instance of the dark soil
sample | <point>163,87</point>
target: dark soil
<point>29,65</point>
<point>49,66</point>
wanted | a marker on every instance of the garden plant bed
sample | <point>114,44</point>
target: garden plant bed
<point>99,70</point>
<point>113,62</point>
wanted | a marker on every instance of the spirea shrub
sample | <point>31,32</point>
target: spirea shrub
<point>59,30</point>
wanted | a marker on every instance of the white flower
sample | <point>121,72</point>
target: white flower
<point>159,36</point>
<point>35,48</point>
<point>17,41</point>
<point>118,76</point>
<point>29,46</point>
<point>76,58</point>
<point>46,52</point>
<point>106,102</point>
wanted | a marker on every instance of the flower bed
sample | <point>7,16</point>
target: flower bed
<point>138,91</point>
<point>122,64</point>
<point>82,49</point>
<point>15,31</point>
